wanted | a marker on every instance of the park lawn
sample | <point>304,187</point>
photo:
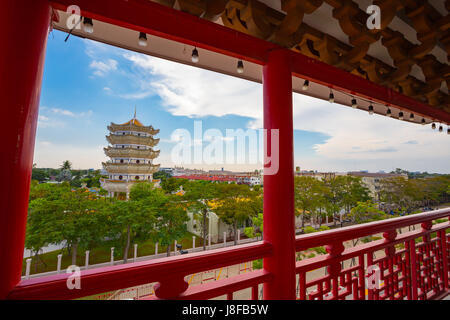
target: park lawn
<point>99,255</point>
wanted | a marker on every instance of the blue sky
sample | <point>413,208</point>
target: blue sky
<point>87,85</point>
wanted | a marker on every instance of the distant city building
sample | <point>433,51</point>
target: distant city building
<point>250,178</point>
<point>318,175</point>
<point>208,178</point>
<point>131,156</point>
<point>180,171</point>
<point>373,181</point>
<point>166,170</point>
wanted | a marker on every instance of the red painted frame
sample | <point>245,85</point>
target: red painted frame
<point>165,22</point>
<point>22,89</point>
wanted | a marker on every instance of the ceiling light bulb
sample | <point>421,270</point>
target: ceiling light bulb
<point>433,126</point>
<point>354,104</point>
<point>305,85</point>
<point>423,121</point>
<point>371,109</point>
<point>195,55</point>
<point>142,39</point>
<point>388,112</point>
<point>240,67</point>
<point>441,129</point>
<point>331,98</point>
<point>88,25</point>
<point>400,115</point>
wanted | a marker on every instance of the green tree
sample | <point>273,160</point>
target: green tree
<point>256,230</point>
<point>66,165</point>
<point>172,184</point>
<point>170,222</point>
<point>309,196</point>
<point>334,195</point>
<point>198,195</point>
<point>42,227</point>
<point>237,203</point>
<point>78,215</point>
<point>39,174</point>
<point>163,175</point>
<point>366,211</point>
<point>398,193</point>
<point>58,213</point>
<point>354,191</point>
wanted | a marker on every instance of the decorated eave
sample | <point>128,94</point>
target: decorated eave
<point>130,168</point>
<point>133,126</point>
<point>292,25</point>
<point>403,65</point>
<point>131,153</point>
<point>132,139</point>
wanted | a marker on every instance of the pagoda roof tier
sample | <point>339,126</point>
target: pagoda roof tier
<point>131,153</point>
<point>130,168</point>
<point>133,125</point>
<point>132,139</point>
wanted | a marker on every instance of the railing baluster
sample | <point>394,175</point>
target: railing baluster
<point>334,268</point>
<point>302,285</point>
<point>171,288</point>
<point>389,237</point>
<point>407,272</point>
<point>369,263</point>
<point>361,275</point>
<point>413,268</point>
<point>443,247</point>
<point>255,292</point>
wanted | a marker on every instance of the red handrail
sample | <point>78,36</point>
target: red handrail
<point>122,276</point>
<point>311,240</point>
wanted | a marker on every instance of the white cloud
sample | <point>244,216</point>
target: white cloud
<point>193,92</point>
<point>101,68</point>
<point>356,140</point>
<point>47,122</point>
<point>69,113</point>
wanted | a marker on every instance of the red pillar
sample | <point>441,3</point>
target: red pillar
<point>279,187</point>
<point>23,31</point>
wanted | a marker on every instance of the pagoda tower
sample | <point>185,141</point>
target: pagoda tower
<point>131,156</point>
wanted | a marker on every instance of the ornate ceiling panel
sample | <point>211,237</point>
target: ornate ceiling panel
<point>408,53</point>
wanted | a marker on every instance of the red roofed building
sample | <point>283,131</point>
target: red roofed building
<point>208,178</point>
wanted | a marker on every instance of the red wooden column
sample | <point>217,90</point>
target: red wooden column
<point>24,28</point>
<point>279,184</point>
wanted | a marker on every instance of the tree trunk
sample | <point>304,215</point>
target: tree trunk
<point>36,256</point>
<point>168,250</point>
<point>127,246</point>
<point>235,232</point>
<point>204,229</point>
<point>74,253</point>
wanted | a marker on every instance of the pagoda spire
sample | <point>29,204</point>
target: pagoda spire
<point>134,112</point>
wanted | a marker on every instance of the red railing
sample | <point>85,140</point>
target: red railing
<point>412,265</point>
